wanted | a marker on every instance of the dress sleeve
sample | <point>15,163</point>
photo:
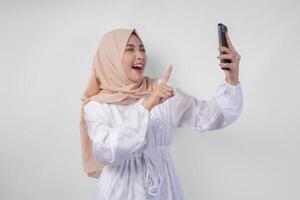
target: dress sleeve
<point>113,145</point>
<point>221,110</point>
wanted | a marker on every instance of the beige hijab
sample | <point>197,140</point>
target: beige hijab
<point>109,84</point>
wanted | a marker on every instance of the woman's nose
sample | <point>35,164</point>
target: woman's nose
<point>140,55</point>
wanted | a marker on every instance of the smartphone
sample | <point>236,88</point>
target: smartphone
<point>222,29</point>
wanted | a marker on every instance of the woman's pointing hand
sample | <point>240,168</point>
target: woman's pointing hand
<point>161,93</point>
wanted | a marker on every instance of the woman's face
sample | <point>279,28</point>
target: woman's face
<point>134,54</point>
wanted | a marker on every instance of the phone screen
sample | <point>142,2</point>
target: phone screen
<point>222,42</point>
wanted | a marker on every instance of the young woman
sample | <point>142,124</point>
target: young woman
<point>128,120</point>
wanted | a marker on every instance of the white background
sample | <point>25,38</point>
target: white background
<point>46,51</point>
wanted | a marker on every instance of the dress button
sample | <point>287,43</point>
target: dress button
<point>156,126</point>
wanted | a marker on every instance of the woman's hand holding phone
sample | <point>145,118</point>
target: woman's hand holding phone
<point>230,58</point>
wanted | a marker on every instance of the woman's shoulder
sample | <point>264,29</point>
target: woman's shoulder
<point>92,105</point>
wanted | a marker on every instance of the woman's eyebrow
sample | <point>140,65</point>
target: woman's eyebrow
<point>132,45</point>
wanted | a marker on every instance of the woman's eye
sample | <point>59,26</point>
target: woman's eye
<point>133,49</point>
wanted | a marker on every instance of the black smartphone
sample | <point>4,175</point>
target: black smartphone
<point>222,42</point>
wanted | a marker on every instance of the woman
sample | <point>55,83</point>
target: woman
<point>128,119</point>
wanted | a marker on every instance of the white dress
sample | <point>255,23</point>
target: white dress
<point>135,143</point>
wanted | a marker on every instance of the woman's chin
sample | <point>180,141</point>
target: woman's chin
<point>137,79</point>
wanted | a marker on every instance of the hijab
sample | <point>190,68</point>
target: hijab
<point>109,84</point>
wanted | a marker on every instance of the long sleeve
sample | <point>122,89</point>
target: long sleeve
<point>113,145</point>
<point>221,110</point>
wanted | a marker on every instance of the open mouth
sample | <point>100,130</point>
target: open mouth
<point>137,68</point>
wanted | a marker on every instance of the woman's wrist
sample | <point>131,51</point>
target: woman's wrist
<point>232,82</point>
<point>147,104</point>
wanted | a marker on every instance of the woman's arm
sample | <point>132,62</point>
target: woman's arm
<point>221,110</point>
<point>113,145</point>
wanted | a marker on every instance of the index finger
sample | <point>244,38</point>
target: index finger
<point>167,75</point>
